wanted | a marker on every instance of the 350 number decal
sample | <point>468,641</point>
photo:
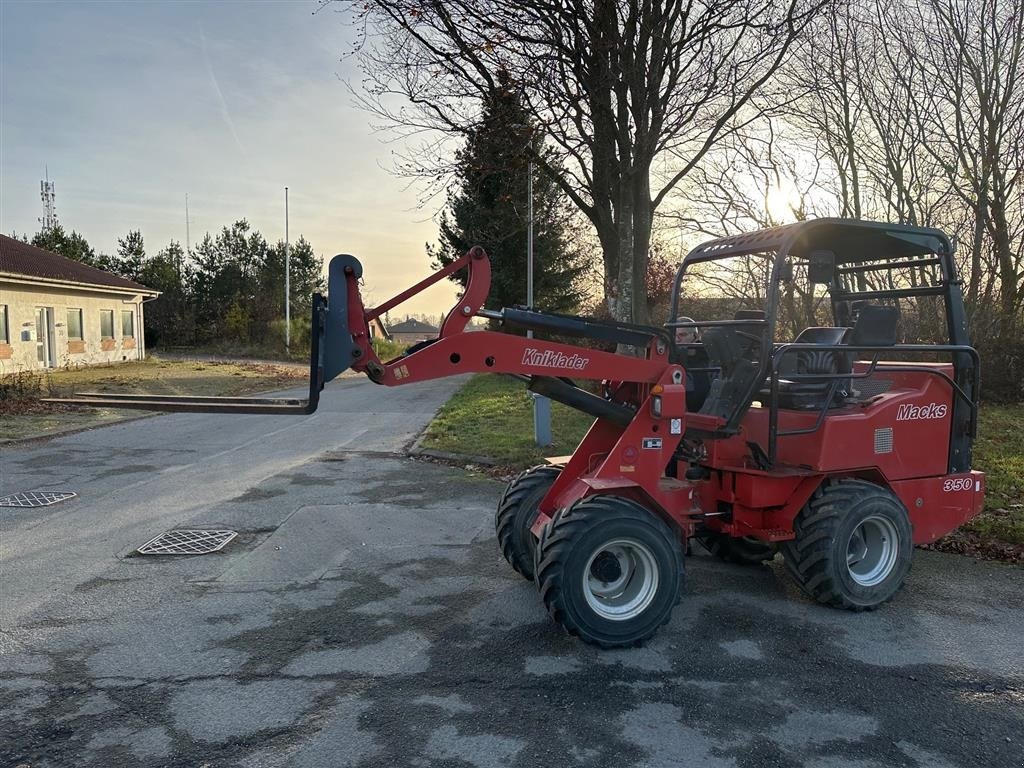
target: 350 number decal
<point>960,484</point>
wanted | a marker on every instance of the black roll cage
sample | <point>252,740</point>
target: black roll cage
<point>859,247</point>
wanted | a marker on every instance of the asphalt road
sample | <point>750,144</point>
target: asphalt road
<point>364,617</point>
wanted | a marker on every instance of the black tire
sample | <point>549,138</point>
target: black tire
<point>840,555</point>
<point>744,551</point>
<point>569,556</point>
<point>516,513</point>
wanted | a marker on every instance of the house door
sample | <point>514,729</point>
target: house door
<point>44,336</point>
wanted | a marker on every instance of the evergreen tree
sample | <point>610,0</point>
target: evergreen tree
<point>131,253</point>
<point>168,321</point>
<point>489,208</point>
<point>71,246</point>
<point>306,276</point>
<point>224,279</point>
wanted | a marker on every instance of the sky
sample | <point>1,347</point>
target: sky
<point>131,105</point>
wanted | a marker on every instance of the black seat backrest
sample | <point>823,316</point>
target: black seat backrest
<point>750,314</point>
<point>875,326</point>
<point>822,335</point>
<point>723,347</point>
<point>810,361</point>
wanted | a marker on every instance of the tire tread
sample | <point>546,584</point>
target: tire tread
<point>556,541</point>
<point>808,556</point>
<point>516,493</point>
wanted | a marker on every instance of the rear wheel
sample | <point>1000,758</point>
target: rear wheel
<point>853,545</point>
<point>609,571</point>
<point>517,510</point>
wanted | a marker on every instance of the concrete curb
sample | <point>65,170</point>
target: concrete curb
<point>461,458</point>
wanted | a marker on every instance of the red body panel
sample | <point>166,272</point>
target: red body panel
<point>850,437</point>
<point>630,461</point>
<point>937,505</point>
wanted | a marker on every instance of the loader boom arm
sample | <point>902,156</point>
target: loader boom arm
<point>341,339</point>
<point>456,351</point>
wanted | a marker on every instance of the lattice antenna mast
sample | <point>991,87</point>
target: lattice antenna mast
<point>47,194</point>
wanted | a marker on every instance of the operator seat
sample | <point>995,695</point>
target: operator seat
<point>805,391</point>
<point>875,326</point>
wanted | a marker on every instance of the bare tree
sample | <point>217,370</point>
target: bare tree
<point>631,93</point>
<point>900,111</point>
<point>972,122</point>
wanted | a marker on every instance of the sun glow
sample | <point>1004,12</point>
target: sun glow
<point>781,201</point>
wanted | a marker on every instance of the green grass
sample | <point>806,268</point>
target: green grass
<point>493,416</point>
<point>999,453</point>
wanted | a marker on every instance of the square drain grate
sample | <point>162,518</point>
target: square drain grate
<point>187,542</point>
<point>36,498</point>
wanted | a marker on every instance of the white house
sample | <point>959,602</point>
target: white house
<point>56,312</point>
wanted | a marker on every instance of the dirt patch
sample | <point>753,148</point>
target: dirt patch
<point>972,544</point>
<point>26,418</point>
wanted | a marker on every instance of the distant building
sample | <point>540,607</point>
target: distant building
<point>411,331</point>
<point>57,312</point>
<point>378,330</point>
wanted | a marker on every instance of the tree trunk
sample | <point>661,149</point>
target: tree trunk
<point>627,286</point>
<point>643,216</point>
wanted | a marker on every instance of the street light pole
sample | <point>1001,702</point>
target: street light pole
<point>541,404</point>
<point>529,240</point>
<point>287,280</point>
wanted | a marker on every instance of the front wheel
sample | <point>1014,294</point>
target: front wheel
<point>853,545</point>
<point>517,510</point>
<point>609,571</point>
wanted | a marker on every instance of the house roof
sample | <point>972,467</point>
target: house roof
<point>24,260</point>
<point>413,326</point>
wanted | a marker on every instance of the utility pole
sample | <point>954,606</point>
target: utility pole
<point>188,239</point>
<point>529,240</point>
<point>287,280</point>
<point>541,404</point>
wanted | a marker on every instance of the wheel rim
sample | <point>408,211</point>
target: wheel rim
<point>872,550</point>
<point>620,579</point>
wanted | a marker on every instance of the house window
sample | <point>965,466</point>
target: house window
<point>4,336</point>
<point>75,325</point>
<point>107,323</point>
<point>127,324</point>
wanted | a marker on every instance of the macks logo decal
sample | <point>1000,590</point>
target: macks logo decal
<point>548,358</point>
<point>910,412</point>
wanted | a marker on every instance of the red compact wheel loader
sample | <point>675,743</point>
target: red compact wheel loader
<point>842,447</point>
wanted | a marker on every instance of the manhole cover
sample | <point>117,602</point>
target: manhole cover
<point>187,542</point>
<point>35,499</point>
